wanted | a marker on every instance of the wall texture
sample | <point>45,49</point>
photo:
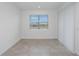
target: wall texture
<point>9,26</point>
<point>77,28</point>
<point>50,33</point>
<point>66,26</point>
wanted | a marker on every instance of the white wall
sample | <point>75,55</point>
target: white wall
<point>60,27</point>
<point>66,26</point>
<point>9,26</point>
<point>28,33</point>
<point>77,28</point>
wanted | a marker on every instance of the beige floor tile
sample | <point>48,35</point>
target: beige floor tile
<point>39,47</point>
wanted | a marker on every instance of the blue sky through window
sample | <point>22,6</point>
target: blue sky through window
<point>42,19</point>
<point>34,18</point>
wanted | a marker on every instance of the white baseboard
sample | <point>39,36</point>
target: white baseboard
<point>9,47</point>
<point>38,37</point>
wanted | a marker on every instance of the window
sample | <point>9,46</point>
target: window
<point>39,21</point>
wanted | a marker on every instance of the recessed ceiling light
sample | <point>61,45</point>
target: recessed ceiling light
<point>39,6</point>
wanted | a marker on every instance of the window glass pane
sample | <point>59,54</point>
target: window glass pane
<point>34,21</point>
<point>39,21</point>
<point>43,21</point>
<point>43,18</point>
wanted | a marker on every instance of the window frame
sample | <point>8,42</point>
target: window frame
<point>38,21</point>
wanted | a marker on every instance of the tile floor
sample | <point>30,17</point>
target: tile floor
<point>38,47</point>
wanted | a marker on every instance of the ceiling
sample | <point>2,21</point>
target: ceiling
<point>36,5</point>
